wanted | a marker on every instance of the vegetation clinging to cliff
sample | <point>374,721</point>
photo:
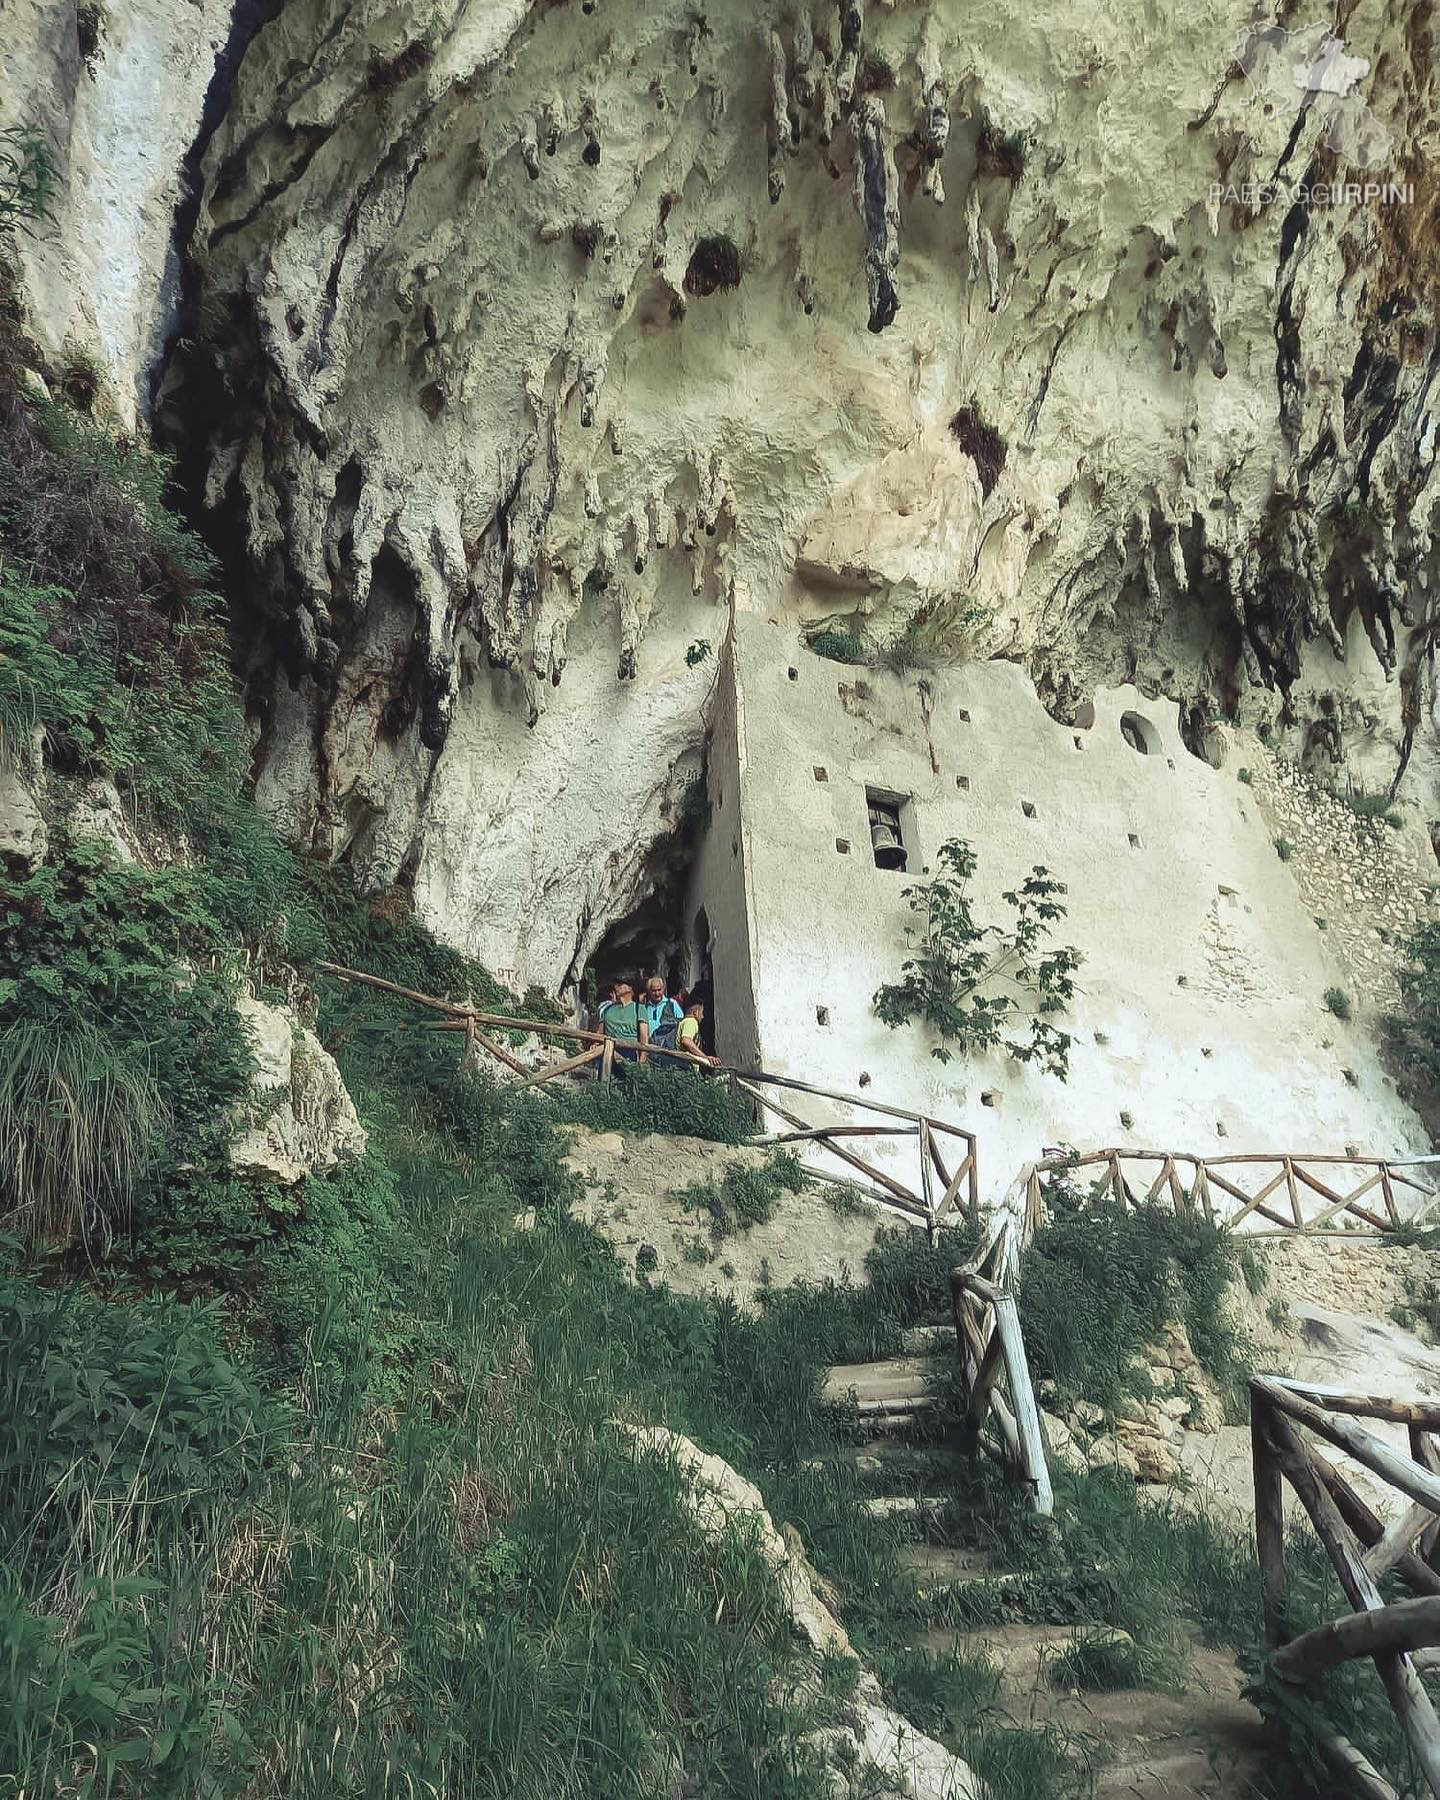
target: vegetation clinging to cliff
<point>957,978</point>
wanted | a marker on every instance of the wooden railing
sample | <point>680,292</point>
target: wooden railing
<point>992,1352</point>
<point>1285,1191</point>
<point>1399,1636</point>
<point>947,1170</point>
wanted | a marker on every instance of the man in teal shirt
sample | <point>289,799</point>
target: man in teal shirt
<point>624,1018</point>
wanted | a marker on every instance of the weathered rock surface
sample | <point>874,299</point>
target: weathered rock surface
<point>527,343</point>
<point>910,1763</point>
<point>117,93</point>
<point>301,1119</point>
<point>632,1197</point>
<point>24,835</point>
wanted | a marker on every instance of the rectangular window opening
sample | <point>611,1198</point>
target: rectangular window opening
<point>891,828</point>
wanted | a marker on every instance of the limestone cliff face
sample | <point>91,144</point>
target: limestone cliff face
<point>532,338</point>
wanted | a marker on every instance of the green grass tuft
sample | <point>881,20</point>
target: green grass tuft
<point>80,1126</point>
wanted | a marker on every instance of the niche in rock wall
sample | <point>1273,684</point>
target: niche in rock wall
<point>1201,736</point>
<point>1139,734</point>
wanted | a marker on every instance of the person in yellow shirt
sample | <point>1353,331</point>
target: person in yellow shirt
<point>687,1035</point>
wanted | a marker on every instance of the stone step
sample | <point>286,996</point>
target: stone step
<point>919,1509</point>
<point>942,1568</point>
<point>899,1383</point>
<point>891,1465</point>
<point>1021,1652</point>
<point>1204,1743</point>
<point>1185,1774</point>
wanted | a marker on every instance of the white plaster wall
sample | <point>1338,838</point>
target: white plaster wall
<point>720,886</point>
<point>1200,1005</point>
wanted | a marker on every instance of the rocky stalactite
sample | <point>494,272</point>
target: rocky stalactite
<point>876,196</point>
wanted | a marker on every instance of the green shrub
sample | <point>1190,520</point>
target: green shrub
<point>678,1102</point>
<point>1246,776</point>
<point>1371,806</point>
<point>27,179</point>
<point>970,983</point>
<point>1414,1030</point>
<point>838,644</point>
<point>1284,849</point>
<point>746,1194</point>
<point>934,634</point>
<point>124,1053</point>
<point>1101,1281</point>
<point>1098,1662</point>
<point>1337,1001</point>
<point>114,1393</point>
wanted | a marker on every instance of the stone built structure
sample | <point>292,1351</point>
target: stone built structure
<point>1199,1020</point>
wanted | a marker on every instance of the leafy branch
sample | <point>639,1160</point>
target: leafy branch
<point>27,179</point>
<point>973,984</point>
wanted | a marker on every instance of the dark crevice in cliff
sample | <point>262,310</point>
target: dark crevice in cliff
<point>181,288</point>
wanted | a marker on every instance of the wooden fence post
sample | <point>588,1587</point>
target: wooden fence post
<point>1269,1521</point>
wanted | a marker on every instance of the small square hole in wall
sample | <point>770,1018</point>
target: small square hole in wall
<point>1205,1050</point>
<point>963,783</point>
<point>990,1097</point>
<point>963,716</point>
<point>1220,1130</point>
<point>1028,808</point>
<point>1102,1038</point>
<point>1079,741</point>
<point>1135,843</point>
<point>1127,1120</point>
<point>822,1015</point>
<point>820,774</point>
<point>843,846</point>
<point>794,674</point>
<point>1169,762</point>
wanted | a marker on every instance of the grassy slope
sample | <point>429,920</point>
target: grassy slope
<point>317,1494</point>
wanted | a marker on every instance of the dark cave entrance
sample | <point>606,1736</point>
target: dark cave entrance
<point>653,938</point>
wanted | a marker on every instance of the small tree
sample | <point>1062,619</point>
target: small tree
<point>1415,1032</point>
<point>973,983</point>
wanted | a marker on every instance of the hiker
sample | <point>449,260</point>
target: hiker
<point>623,1018</point>
<point>687,1035</point>
<point>704,992</point>
<point>662,1016</point>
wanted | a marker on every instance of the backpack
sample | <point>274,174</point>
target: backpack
<point>663,1034</point>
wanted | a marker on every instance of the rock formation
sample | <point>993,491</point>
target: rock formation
<point>300,1118</point>
<point>521,343</point>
